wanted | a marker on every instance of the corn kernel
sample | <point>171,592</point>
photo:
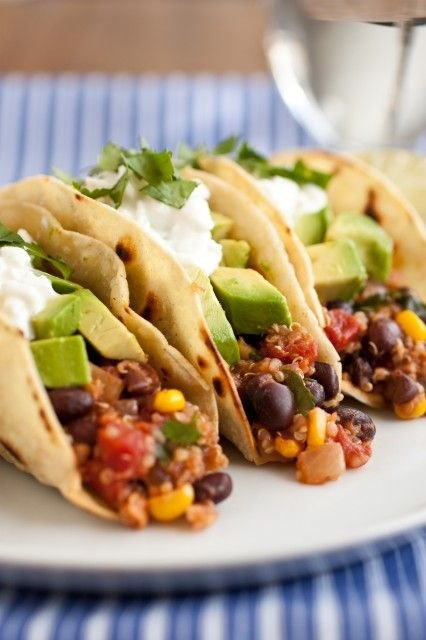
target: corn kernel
<point>317,427</point>
<point>414,409</point>
<point>411,324</point>
<point>172,505</point>
<point>286,447</point>
<point>169,401</point>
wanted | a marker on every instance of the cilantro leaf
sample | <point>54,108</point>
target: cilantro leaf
<point>188,156</point>
<point>246,152</point>
<point>174,193</point>
<point>260,166</point>
<point>116,192</point>
<point>184,433</point>
<point>303,398</point>
<point>110,157</point>
<point>63,175</point>
<point>153,171</point>
<point>152,166</point>
<point>228,145</point>
<point>9,237</point>
<point>38,256</point>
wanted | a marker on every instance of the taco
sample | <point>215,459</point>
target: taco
<point>110,415</point>
<point>232,305</point>
<point>368,270</point>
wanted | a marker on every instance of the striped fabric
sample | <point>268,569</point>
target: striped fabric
<point>63,121</point>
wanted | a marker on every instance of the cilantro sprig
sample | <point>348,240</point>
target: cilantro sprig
<point>184,433</point>
<point>260,167</point>
<point>187,155</point>
<point>152,172</point>
<point>39,258</point>
<point>253,162</point>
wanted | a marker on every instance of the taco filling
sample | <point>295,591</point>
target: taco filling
<point>288,394</point>
<point>144,451</point>
<point>377,326</point>
<point>381,336</point>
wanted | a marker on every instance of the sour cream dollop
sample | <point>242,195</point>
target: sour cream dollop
<point>293,200</point>
<point>185,232</point>
<point>23,292</point>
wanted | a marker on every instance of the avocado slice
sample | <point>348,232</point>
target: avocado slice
<point>217,322</point>
<point>235,253</point>
<point>373,243</point>
<point>104,332</point>
<point>60,317</point>
<point>222,226</point>
<point>62,362</point>
<point>312,227</point>
<point>252,305</point>
<point>338,270</point>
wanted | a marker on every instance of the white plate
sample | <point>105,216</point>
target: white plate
<point>269,524</point>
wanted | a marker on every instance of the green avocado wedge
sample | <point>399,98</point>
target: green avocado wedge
<point>221,330</point>
<point>104,332</point>
<point>222,226</point>
<point>252,305</point>
<point>62,362</point>
<point>59,318</point>
<point>312,227</point>
<point>235,253</point>
<point>373,243</point>
<point>338,270</point>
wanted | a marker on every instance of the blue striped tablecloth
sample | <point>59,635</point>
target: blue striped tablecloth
<point>63,121</point>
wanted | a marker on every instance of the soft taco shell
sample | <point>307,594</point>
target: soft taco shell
<point>31,436</point>
<point>242,181</point>
<point>358,187</point>
<point>267,255</point>
<point>162,291</point>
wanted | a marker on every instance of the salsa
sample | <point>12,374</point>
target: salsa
<point>381,339</point>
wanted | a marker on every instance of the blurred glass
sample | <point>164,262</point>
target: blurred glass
<point>349,81</point>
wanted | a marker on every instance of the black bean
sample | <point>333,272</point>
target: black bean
<point>316,389</point>
<point>359,370</point>
<point>247,386</point>
<point>399,388</point>
<point>273,403</point>
<point>326,375</point>
<point>340,304</point>
<point>83,430</point>
<point>141,379</point>
<point>71,403</point>
<point>358,422</point>
<point>215,487</point>
<point>384,333</point>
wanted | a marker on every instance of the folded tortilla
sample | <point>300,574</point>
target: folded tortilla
<point>162,292</point>
<point>31,436</point>
<point>354,187</point>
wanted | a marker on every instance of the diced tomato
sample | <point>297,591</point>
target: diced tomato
<point>121,446</point>
<point>290,345</point>
<point>356,453</point>
<point>342,328</point>
<point>105,485</point>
